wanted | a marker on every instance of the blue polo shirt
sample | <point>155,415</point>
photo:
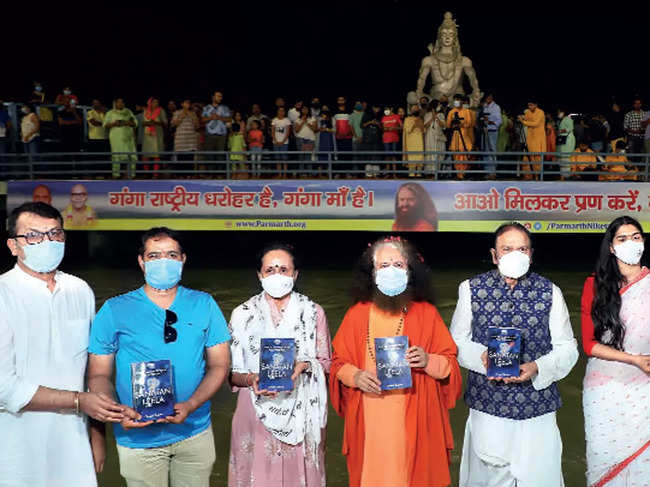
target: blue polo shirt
<point>216,127</point>
<point>131,327</point>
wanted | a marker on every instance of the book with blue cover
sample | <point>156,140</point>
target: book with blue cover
<point>504,351</point>
<point>393,370</point>
<point>277,360</point>
<point>153,389</point>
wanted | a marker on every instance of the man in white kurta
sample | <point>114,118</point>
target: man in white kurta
<point>513,445</point>
<point>45,318</point>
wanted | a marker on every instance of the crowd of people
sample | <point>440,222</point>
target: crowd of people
<point>58,360</point>
<point>411,141</point>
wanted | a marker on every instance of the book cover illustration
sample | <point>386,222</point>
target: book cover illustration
<point>153,389</point>
<point>504,351</point>
<point>277,358</point>
<point>392,368</point>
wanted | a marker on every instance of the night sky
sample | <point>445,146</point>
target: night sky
<point>255,51</point>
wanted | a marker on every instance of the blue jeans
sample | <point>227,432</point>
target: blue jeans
<point>31,149</point>
<point>597,146</point>
<point>281,152</point>
<point>490,145</point>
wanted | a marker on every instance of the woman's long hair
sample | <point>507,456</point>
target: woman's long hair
<point>606,308</point>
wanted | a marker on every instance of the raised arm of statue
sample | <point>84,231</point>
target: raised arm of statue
<point>422,78</point>
<point>470,72</point>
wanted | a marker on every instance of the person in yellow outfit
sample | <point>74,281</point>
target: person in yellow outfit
<point>615,164</point>
<point>582,159</point>
<point>460,119</point>
<point>413,141</point>
<point>534,119</point>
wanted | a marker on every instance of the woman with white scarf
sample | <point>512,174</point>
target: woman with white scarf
<point>278,438</point>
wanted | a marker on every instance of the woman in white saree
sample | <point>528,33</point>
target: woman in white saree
<point>278,438</point>
<point>616,337</point>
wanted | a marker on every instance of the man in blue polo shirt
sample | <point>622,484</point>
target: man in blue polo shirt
<point>215,117</point>
<point>162,320</point>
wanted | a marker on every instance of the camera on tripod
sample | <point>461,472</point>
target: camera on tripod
<point>456,121</point>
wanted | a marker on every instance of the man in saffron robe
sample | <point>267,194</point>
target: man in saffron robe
<point>534,119</point>
<point>402,437</point>
<point>461,121</point>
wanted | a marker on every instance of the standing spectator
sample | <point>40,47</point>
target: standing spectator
<point>459,120</point>
<point>97,136</point>
<point>259,117</point>
<point>414,141</point>
<point>66,96</point>
<point>294,113</point>
<point>371,129</point>
<point>633,127</point>
<point>343,131</point>
<point>170,128</point>
<point>355,126</point>
<point>490,123</point>
<point>120,123</point>
<point>565,142</point>
<point>505,132</point>
<point>280,132</point>
<point>139,130</point>
<point>325,136</point>
<point>29,130</point>
<point>237,145</point>
<point>153,142</point>
<point>315,106</point>
<point>645,123</point>
<point>305,129</point>
<point>391,125</point>
<point>279,103</point>
<point>550,137</point>
<point>597,132</point>
<point>186,140</point>
<point>534,119</point>
<point>216,116</point>
<point>5,125</point>
<point>70,129</point>
<point>616,132</point>
<point>473,116</point>
<point>434,139</point>
<point>255,140</point>
<point>37,95</point>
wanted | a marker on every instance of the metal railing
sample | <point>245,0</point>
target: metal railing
<point>321,164</point>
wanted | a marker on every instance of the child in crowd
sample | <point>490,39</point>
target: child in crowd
<point>255,139</point>
<point>237,143</point>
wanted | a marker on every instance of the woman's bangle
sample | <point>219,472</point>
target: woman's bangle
<point>76,403</point>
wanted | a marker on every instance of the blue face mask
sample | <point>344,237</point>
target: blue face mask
<point>163,273</point>
<point>45,256</point>
<point>358,107</point>
<point>391,281</point>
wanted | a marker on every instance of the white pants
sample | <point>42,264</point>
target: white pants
<point>502,452</point>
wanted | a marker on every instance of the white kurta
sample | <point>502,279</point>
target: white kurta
<point>501,451</point>
<point>43,342</point>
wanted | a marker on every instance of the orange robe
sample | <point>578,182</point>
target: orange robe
<point>584,159</point>
<point>427,437</point>
<point>535,123</point>
<point>616,166</point>
<point>456,144</point>
<point>422,225</point>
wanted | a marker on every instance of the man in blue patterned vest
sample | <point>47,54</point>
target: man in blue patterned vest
<point>511,436</point>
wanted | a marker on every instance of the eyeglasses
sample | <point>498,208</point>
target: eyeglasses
<point>170,334</point>
<point>35,237</point>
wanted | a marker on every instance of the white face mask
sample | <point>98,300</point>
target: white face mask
<point>277,285</point>
<point>629,252</point>
<point>456,103</point>
<point>386,112</point>
<point>514,264</point>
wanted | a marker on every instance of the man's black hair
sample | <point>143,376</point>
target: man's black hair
<point>512,226</point>
<point>37,208</point>
<point>158,232</point>
<point>286,247</point>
